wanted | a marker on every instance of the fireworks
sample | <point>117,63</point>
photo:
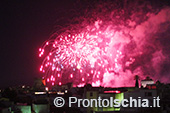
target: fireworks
<point>79,58</point>
<point>107,48</point>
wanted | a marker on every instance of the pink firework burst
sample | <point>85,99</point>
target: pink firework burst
<point>86,55</point>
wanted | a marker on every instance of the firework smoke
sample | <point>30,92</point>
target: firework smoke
<point>110,44</point>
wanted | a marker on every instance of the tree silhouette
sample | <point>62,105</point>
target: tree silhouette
<point>136,83</point>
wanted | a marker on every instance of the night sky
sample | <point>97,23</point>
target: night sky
<point>24,27</point>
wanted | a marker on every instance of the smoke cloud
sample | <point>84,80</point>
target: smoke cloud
<point>145,45</point>
<point>138,31</point>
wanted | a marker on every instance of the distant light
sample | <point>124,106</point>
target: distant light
<point>46,89</point>
<point>23,86</point>
<point>39,93</point>
<point>50,92</point>
<point>116,91</point>
<point>60,93</point>
<point>66,91</point>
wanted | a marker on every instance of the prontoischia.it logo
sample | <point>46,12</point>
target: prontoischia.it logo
<point>111,102</point>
